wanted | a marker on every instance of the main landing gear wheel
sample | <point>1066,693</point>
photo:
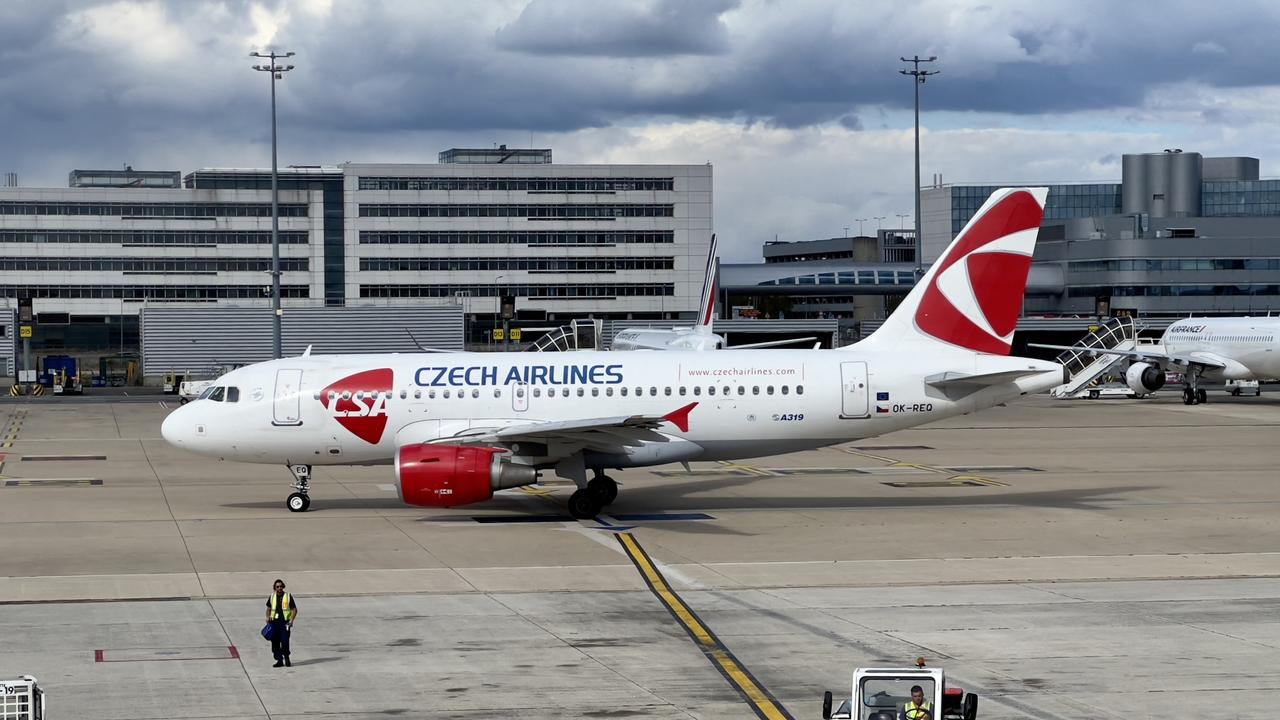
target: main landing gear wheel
<point>298,502</point>
<point>605,487</point>
<point>584,504</point>
<point>1202,396</point>
<point>1188,396</point>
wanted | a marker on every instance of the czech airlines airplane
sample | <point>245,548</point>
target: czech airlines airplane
<point>1210,349</point>
<point>459,426</point>
<point>698,337</point>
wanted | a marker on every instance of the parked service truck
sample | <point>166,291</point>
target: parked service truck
<point>886,694</point>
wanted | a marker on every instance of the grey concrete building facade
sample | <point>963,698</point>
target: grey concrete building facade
<point>1180,234</point>
<point>614,241</point>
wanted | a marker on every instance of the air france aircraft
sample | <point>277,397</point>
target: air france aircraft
<point>458,426</point>
<point>1209,349</point>
<point>698,337</point>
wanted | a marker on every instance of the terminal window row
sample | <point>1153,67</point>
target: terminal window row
<point>1171,290</point>
<point>567,212</point>
<point>550,292</point>
<point>1153,265</point>
<point>115,209</point>
<point>853,277</point>
<point>503,237</point>
<point>151,237</point>
<point>152,265</point>
<point>151,293</point>
<point>598,264</point>
<point>532,184</point>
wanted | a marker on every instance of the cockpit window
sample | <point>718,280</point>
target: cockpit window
<point>217,393</point>
<point>233,394</point>
<point>207,392</point>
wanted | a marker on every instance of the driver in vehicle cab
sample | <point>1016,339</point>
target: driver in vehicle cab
<point>917,708</point>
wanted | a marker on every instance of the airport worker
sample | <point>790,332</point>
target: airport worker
<point>918,708</point>
<point>282,610</point>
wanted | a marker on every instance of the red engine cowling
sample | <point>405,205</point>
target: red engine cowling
<point>452,475</point>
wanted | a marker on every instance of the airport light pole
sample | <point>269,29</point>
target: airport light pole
<point>277,72</point>
<point>920,76</point>
<point>859,221</point>
<point>902,220</point>
<point>878,218</point>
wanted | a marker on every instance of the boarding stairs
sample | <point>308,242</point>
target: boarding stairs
<point>578,335</point>
<point>1085,368</point>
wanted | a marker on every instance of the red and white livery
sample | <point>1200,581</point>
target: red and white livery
<point>457,427</point>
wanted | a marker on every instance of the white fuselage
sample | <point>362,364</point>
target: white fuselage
<point>1250,347</point>
<point>750,403</point>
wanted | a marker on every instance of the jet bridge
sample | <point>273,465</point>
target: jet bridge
<point>1086,368</point>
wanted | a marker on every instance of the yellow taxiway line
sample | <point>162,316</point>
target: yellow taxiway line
<point>761,701</point>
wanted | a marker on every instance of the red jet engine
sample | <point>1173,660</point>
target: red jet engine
<point>452,475</point>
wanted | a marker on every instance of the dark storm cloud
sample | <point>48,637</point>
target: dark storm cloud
<point>619,29</point>
<point>78,77</point>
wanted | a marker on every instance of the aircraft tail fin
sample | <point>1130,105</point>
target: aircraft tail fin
<point>707,308</point>
<point>972,296</point>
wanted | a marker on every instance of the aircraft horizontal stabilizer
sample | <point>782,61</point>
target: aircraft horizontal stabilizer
<point>956,385</point>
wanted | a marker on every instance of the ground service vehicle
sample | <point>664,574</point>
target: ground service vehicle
<point>883,694</point>
<point>1244,387</point>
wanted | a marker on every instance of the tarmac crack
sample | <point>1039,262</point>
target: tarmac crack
<point>176,525</point>
<point>582,650</point>
<point>239,658</point>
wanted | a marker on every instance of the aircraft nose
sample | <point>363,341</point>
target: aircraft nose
<point>175,428</point>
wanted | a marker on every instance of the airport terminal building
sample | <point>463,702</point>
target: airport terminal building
<point>612,241</point>
<point>1179,234</point>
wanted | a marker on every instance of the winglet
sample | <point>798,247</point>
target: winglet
<point>307,352</point>
<point>680,418</point>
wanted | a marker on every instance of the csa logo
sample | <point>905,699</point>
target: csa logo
<point>976,294</point>
<point>359,403</point>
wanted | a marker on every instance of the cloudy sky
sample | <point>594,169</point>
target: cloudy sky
<point>797,103</point>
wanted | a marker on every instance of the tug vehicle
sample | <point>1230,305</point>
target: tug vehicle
<point>886,694</point>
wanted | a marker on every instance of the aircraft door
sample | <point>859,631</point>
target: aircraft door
<point>520,397</point>
<point>853,380</point>
<point>287,403</point>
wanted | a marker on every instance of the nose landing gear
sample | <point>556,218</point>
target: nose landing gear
<point>300,500</point>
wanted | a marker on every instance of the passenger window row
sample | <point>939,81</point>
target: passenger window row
<point>682,391</point>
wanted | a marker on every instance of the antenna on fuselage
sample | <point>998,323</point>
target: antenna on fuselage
<point>307,352</point>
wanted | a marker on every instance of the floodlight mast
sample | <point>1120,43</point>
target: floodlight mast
<point>920,76</point>
<point>277,72</point>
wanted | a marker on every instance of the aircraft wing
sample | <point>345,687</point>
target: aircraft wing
<point>1202,359</point>
<point>603,433</point>
<point>771,343</point>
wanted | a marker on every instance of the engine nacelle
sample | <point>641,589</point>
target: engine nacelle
<point>452,475</point>
<point>1143,378</point>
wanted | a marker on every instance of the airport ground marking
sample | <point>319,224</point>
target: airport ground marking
<point>748,469</point>
<point>762,702</point>
<point>954,479</point>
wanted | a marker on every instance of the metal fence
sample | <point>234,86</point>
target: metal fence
<point>195,340</point>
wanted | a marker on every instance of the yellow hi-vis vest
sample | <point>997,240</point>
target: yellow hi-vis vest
<point>288,607</point>
<point>923,711</point>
